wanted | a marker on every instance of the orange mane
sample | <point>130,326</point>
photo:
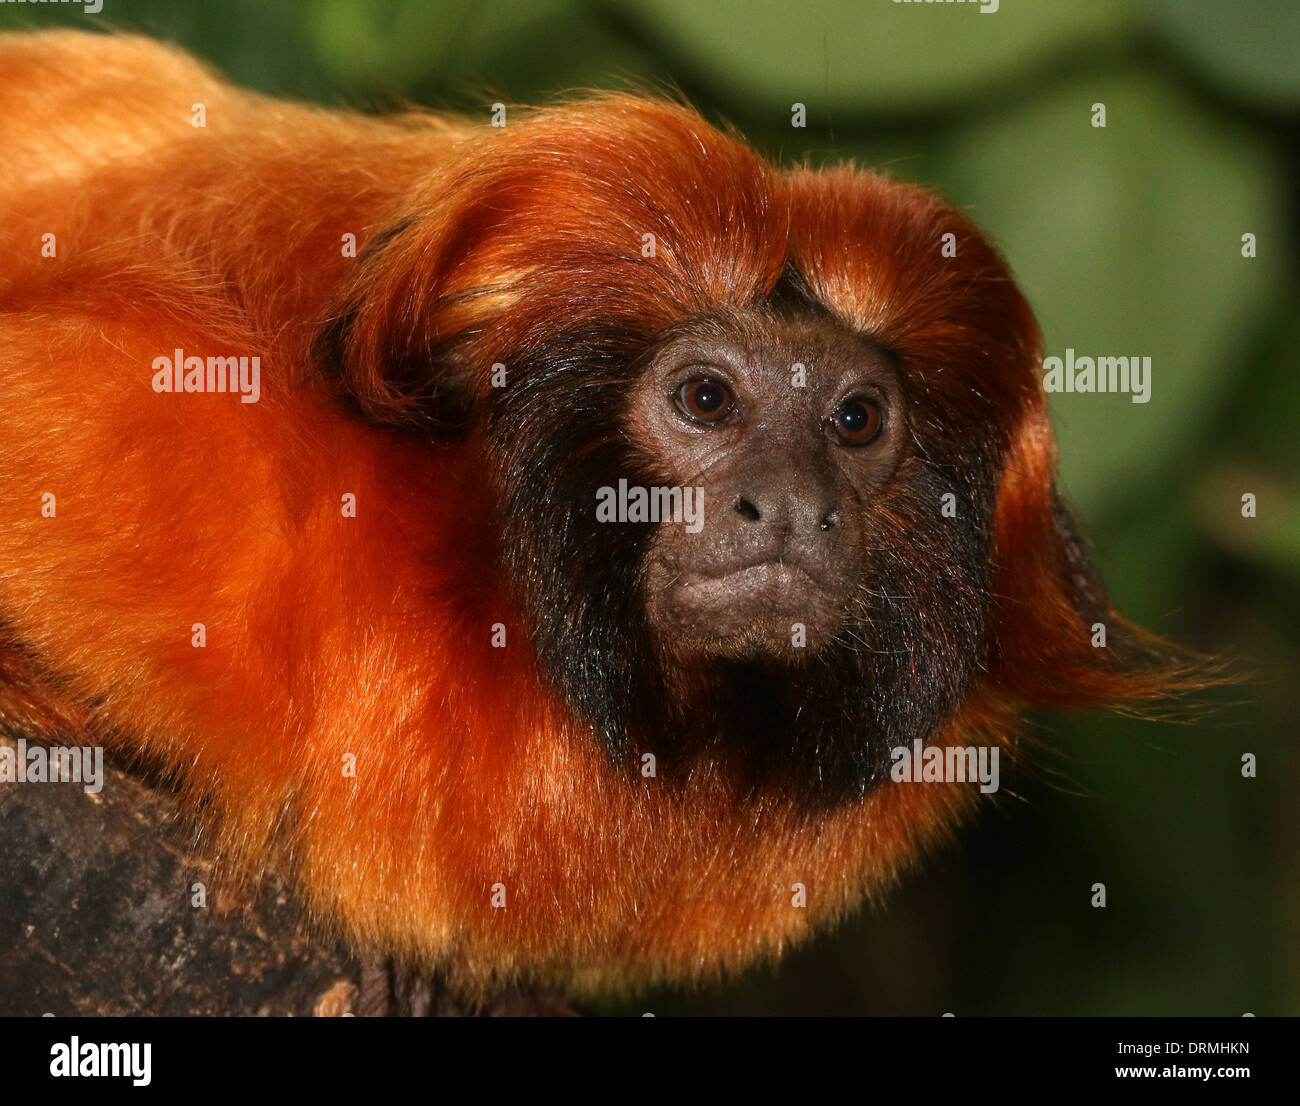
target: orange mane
<point>333,640</point>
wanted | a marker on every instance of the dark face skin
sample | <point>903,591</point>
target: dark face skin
<point>790,463</point>
<point>835,603</point>
<point>791,643</point>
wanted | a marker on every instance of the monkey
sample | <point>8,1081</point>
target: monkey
<point>326,444</point>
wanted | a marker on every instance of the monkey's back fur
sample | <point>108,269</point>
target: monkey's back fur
<point>129,517</point>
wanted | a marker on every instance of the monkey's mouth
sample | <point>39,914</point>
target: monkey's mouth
<point>766,608</point>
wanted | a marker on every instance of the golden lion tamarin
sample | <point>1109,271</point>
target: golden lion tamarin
<point>543,539</point>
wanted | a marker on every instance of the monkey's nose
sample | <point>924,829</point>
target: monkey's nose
<point>789,514</point>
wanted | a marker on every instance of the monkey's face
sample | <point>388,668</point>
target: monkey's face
<point>618,296</point>
<point>782,432</point>
<point>661,313</point>
<point>817,608</point>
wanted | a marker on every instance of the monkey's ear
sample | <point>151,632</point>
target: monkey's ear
<point>392,346</point>
<point>1056,640</point>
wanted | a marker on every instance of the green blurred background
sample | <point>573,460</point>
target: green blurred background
<point>1127,239</point>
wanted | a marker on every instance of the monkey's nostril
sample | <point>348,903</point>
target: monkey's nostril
<point>747,509</point>
<point>831,521</point>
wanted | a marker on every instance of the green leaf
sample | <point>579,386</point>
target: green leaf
<point>395,42</point>
<point>1249,49</point>
<point>1128,241</point>
<point>878,57</point>
<point>467,53</point>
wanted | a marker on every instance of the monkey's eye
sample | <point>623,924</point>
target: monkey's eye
<point>705,400</point>
<point>856,421</point>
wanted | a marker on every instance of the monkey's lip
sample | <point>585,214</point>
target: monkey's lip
<point>772,594</point>
<point>773,577</point>
<point>749,610</point>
